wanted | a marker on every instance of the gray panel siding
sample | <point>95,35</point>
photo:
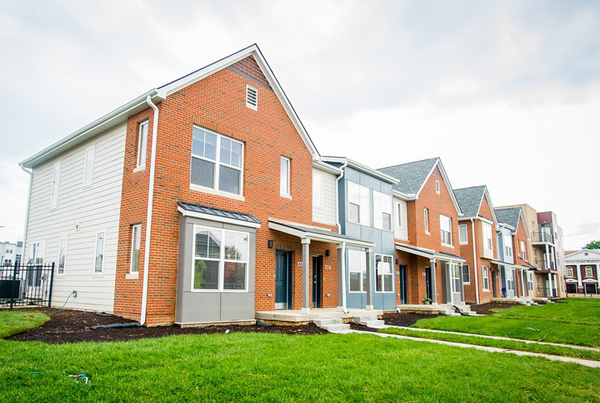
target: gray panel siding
<point>207,306</point>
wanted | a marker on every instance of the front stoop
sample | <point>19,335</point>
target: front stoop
<point>369,321</point>
<point>332,325</point>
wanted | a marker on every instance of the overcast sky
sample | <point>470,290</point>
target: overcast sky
<point>507,93</point>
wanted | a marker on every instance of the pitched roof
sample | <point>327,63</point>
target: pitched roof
<point>411,176</point>
<point>469,199</point>
<point>509,216</point>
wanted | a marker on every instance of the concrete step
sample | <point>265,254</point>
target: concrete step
<point>327,321</point>
<point>370,321</point>
<point>449,312</point>
<point>336,328</point>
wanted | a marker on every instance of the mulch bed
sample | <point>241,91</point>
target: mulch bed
<point>74,326</point>
<point>486,309</point>
<point>404,319</point>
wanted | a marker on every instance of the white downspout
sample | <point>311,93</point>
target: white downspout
<point>339,225</point>
<point>149,216</point>
<point>476,268</point>
<point>344,277</point>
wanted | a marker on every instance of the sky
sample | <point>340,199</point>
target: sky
<point>507,93</point>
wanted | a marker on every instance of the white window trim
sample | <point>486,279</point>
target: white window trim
<point>382,275</point>
<point>133,228</point>
<point>218,163</point>
<point>221,260</point>
<point>486,238</point>
<point>485,277</point>
<point>58,273</point>
<point>426,219</point>
<point>363,260</point>
<point>101,272</point>
<point>90,164</point>
<point>437,187</point>
<point>141,151</point>
<point>282,192</point>
<point>466,240</point>
<point>399,211</point>
<point>55,185</point>
<point>442,231</point>
<point>248,89</point>
<point>570,272</point>
<point>591,271</point>
<point>463,274</point>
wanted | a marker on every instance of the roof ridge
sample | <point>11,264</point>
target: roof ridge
<point>410,162</point>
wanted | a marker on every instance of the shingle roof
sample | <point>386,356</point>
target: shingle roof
<point>411,176</point>
<point>218,212</point>
<point>508,216</point>
<point>469,199</point>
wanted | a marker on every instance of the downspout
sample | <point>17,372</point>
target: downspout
<point>476,271</point>
<point>344,277</point>
<point>149,216</point>
<point>339,225</point>
<point>30,173</point>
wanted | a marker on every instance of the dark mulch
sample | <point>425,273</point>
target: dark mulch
<point>74,326</point>
<point>356,326</point>
<point>405,319</point>
<point>486,309</point>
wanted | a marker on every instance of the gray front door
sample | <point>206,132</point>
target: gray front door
<point>283,280</point>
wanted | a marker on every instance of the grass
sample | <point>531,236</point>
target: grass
<point>13,322</point>
<point>575,321</point>
<point>504,344</point>
<point>275,367</point>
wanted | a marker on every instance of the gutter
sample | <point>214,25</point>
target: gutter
<point>476,268</point>
<point>149,216</point>
<point>337,197</point>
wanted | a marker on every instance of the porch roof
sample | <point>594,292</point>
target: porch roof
<point>428,253</point>
<point>315,233</point>
<point>215,214</point>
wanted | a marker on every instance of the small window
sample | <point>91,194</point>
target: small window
<point>463,238</point>
<point>55,178</point>
<point>62,256</point>
<point>384,266</point>
<point>446,230</point>
<point>357,271</point>
<point>317,190</point>
<point>486,280</point>
<point>358,204</point>
<point>523,251</point>
<point>437,187</point>
<point>142,144</point>
<point>99,261</point>
<point>136,241</point>
<point>466,274</point>
<point>88,166</point>
<point>588,271</point>
<point>487,234</point>
<point>569,271</point>
<point>426,219</point>
<point>251,97</point>
<point>284,176</point>
<point>399,212</point>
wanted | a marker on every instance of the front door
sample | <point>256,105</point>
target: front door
<point>455,283</point>
<point>402,278</point>
<point>493,283</point>
<point>317,278</point>
<point>283,280</point>
<point>428,289</point>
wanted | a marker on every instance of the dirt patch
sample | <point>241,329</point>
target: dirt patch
<point>75,326</point>
<point>486,309</point>
<point>405,319</point>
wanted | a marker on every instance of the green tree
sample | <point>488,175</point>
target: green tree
<point>592,245</point>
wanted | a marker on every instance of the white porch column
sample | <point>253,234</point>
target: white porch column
<point>341,255</point>
<point>579,277</point>
<point>305,275</point>
<point>547,257</point>
<point>433,283</point>
<point>369,281</point>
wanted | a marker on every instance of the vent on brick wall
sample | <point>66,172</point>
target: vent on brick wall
<point>251,97</point>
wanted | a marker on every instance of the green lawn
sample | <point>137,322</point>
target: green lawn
<point>13,322</point>
<point>575,321</point>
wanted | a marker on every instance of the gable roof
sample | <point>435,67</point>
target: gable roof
<point>343,161</point>
<point>412,177</point>
<point>509,216</point>
<point>471,199</point>
<point>584,255</point>
<point>156,95</point>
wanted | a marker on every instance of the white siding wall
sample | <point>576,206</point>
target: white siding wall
<point>325,214</point>
<point>400,232</point>
<point>81,212</point>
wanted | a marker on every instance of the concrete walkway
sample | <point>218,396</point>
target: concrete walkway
<point>483,336</point>
<point>587,363</point>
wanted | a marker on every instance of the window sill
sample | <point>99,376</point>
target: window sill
<point>132,276</point>
<point>97,274</point>
<point>216,192</point>
<point>286,196</point>
<point>221,291</point>
<point>141,168</point>
<point>445,245</point>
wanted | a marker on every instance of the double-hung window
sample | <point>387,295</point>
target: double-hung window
<point>357,271</point>
<point>485,276</point>
<point>385,275</point>
<point>136,242</point>
<point>426,219</point>
<point>463,237</point>
<point>358,204</point>
<point>523,251</point>
<point>530,281</point>
<point>588,271</point>
<point>99,259</point>
<point>466,274</point>
<point>220,260</point>
<point>216,161</point>
<point>382,211</point>
<point>284,176</point>
<point>446,230</point>
<point>569,271</point>
<point>62,256</point>
<point>142,144</point>
<point>487,236</point>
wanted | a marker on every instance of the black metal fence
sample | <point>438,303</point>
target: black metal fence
<point>26,285</point>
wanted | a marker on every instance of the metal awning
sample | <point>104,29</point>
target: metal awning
<point>315,233</point>
<point>215,214</point>
<point>429,253</point>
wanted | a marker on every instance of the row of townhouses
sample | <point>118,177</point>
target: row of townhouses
<point>205,200</point>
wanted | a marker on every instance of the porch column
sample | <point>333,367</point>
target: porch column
<point>547,257</point>
<point>579,276</point>
<point>369,281</point>
<point>305,275</point>
<point>433,283</point>
<point>524,281</point>
<point>341,257</point>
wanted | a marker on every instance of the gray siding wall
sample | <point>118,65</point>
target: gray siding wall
<point>208,306</point>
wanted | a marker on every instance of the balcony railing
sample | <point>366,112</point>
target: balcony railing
<point>542,237</point>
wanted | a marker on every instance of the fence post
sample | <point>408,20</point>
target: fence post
<point>12,285</point>
<point>51,283</point>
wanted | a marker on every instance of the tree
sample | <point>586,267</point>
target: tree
<point>592,245</point>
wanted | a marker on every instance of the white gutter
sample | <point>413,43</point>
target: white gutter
<point>149,216</point>
<point>337,197</point>
<point>476,268</point>
<point>23,255</point>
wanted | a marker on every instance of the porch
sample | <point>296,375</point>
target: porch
<point>298,316</point>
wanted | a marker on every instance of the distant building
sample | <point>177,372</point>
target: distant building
<point>10,252</point>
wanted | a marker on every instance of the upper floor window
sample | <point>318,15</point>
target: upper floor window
<point>523,250</point>
<point>399,212</point>
<point>142,144</point>
<point>384,272</point>
<point>426,219</point>
<point>55,177</point>
<point>437,187</point>
<point>317,190</point>
<point>284,176</point>
<point>588,271</point>
<point>382,211</point>
<point>446,230</point>
<point>487,236</point>
<point>507,245</point>
<point>216,161</point>
<point>462,234</point>
<point>88,166</point>
<point>358,204</point>
<point>251,97</point>
<point>569,271</point>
